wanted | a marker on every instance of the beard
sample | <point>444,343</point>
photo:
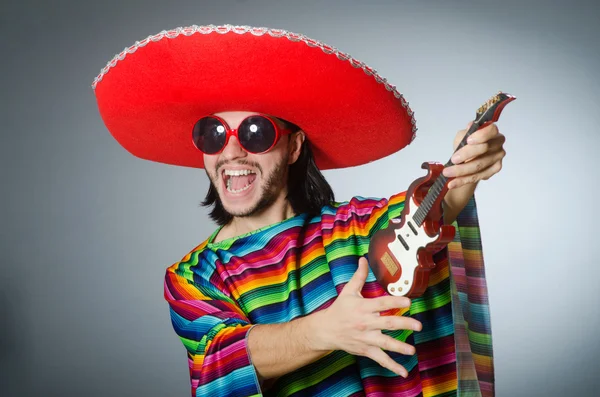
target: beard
<point>269,192</point>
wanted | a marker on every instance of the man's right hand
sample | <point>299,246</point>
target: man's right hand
<point>354,324</point>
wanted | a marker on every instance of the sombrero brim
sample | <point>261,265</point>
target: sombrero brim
<point>151,94</point>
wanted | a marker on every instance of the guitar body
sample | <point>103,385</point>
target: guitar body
<point>401,255</point>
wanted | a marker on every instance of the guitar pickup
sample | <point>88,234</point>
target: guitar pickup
<point>403,242</point>
<point>413,229</point>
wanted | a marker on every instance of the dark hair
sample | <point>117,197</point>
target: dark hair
<point>308,191</point>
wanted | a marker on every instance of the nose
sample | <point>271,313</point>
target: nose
<point>233,150</point>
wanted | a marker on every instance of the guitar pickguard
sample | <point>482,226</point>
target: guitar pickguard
<point>409,239</point>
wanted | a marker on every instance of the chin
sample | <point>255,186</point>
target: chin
<point>239,205</point>
<point>238,210</point>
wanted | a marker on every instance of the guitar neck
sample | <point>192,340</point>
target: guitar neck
<point>432,196</point>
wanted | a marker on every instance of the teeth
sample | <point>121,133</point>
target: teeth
<point>238,172</point>
<point>237,191</point>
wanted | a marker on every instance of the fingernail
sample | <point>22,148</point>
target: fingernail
<point>417,327</point>
<point>456,159</point>
<point>448,172</point>
<point>471,140</point>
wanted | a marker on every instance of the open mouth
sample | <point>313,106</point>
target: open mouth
<point>238,181</point>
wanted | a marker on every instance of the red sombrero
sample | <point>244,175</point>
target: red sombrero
<point>151,94</point>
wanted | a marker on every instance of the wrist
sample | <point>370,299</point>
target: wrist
<point>312,329</point>
<point>455,200</point>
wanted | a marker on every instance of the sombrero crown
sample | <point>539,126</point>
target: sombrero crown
<point>152,93</point>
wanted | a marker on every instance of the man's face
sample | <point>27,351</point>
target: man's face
<point>248,183</point>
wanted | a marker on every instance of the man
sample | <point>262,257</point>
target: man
<point>279,299</point>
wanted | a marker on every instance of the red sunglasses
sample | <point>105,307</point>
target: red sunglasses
<point>256,134</point>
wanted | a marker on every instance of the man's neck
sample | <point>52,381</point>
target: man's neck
<point>279,211</point>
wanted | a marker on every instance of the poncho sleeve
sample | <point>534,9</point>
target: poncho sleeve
<point>470,306</point>
<point>214,331</point>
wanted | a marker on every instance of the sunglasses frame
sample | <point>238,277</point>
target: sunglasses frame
<point>279,132</point>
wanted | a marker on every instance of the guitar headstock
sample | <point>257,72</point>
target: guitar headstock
<point>490,111</point>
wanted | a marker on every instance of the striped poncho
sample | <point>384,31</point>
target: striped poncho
<point>300,265</point>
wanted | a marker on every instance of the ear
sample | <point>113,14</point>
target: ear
<point>295,145</point>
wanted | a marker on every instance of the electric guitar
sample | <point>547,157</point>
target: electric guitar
<point>400,255</point>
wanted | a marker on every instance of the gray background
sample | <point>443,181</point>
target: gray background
<point>88,229</point>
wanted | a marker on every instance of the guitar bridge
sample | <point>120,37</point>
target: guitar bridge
<point>389,264</point>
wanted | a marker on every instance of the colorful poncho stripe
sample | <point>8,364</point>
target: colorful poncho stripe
<point>218,291</point>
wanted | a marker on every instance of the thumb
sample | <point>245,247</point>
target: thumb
<point>356,283</point>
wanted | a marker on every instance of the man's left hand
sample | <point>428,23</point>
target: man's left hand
<point>479,159</point>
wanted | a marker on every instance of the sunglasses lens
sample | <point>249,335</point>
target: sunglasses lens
<point>209,135</point>
<point>256,134</point>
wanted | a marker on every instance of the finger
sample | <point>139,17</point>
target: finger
<point>388,343</point>
<point>396,323</point>
<point>459,137</point>
<point>484,134</point>
<point>474,166</point>
<point>494,142</point>
<point>470,151</point>
<point>492,170</point>
<point>386,361</point>
<point>384,303</point>
<point>356,283</point>
<point>484,175</point>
